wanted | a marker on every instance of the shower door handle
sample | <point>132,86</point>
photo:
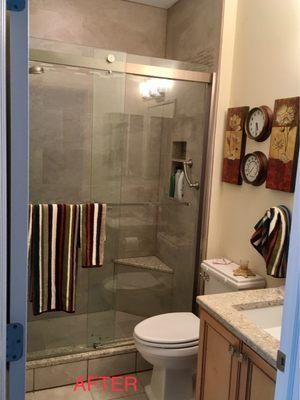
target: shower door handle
<point>191,184</point>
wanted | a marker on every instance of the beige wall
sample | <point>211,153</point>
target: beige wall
<point>109,24</point>
<point>193,31</point>
<point>260,62</point>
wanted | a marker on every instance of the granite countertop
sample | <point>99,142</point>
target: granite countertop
<point>226,309</point>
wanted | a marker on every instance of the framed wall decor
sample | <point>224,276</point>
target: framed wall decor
<point>284,143</point>
<point>234,146</point>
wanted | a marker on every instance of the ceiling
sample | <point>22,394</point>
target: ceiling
<point>157,3</point>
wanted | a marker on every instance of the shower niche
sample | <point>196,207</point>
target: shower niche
<point>178,156</point>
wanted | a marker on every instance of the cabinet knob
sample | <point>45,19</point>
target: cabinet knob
<point>232,350</point>
<point>242,357</point>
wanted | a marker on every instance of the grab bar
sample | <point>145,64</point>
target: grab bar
<point>189,164</point>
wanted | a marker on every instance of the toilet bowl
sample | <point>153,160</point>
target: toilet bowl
<point>170,343</point>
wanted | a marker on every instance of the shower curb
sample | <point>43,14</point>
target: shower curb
<point>129,347</point>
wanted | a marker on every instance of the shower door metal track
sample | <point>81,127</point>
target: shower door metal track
<point>52,57</point>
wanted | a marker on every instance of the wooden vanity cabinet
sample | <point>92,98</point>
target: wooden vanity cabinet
<point>228,369</point>
<point>257,377</point>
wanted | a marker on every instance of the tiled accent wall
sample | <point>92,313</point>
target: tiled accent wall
<point>45,377</point>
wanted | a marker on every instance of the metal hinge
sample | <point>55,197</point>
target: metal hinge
<point>281,358</point>
<point>15,5</point>
<point>14,342</point>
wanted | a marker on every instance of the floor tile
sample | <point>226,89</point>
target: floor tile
<point>112,365</point>
<point>144,377</point>
<point>62,393</point>
<point>98,393</point>
<point>141,364</point>
<point>138,396</point>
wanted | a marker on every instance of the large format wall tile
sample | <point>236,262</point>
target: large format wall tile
<point>193,32</point>
<point>29,380</point>
<point>109,24</point>
<point>114,365</point>
<point>59,375</point>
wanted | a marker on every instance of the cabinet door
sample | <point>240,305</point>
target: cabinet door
<point>258,378</point>
<point>218,366</point>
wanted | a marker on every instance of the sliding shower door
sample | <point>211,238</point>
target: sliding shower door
<point>76,134</point>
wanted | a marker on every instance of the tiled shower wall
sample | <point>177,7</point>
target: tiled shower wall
<point>193,32</point>
<point>107,24</point>
<point>188,31</point>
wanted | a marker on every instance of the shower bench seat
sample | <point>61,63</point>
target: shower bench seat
<point>150,262</point>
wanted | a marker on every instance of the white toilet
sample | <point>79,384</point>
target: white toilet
<point>170,341</point>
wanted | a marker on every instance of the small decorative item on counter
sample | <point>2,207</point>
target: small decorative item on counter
<point>234,146</point>
<point>284,145</point>
<point>243,270</point>
<point>271,239</point>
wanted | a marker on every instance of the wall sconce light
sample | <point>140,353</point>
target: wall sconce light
<point>155,88</point>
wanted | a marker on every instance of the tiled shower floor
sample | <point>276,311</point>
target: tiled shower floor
<point>67,393</point>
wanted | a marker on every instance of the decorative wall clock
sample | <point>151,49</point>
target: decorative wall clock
<point>254,168</point>
<point>234,147</point>
<point>284,145</point>
<point>259,123</point>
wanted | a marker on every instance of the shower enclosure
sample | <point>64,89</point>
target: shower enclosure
<point>112,128</point>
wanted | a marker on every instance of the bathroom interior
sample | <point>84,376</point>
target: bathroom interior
<point>128,103</point>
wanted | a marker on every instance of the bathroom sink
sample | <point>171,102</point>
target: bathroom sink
<point>266,318</point>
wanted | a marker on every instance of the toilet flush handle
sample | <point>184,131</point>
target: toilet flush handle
<point>204,275</point>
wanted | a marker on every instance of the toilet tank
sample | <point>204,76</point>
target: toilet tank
<point>218,278</point>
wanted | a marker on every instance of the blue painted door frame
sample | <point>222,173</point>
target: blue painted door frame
<point>3,202</point>
<point>288,382</point>
<point>18,172</point>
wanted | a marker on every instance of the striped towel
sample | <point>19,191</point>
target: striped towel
<point>53,245</point>
<point>271,239</point>
<point>92,234</point>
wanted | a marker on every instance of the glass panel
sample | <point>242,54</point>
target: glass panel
<point>109,127</point>
<point>76,118</point>
<point>157,244</point>
<point>61,106</point>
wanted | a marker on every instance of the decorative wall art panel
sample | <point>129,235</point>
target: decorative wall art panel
<point>234,146</point>
<point>284,143</point>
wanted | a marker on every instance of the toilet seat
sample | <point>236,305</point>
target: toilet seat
<point>166,345</point>
<point>172,330</point>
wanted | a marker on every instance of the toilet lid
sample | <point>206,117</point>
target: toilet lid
<point>169,328</point>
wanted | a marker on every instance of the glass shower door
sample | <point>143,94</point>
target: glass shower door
<point>75,144</point>
<point>155,264</point>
